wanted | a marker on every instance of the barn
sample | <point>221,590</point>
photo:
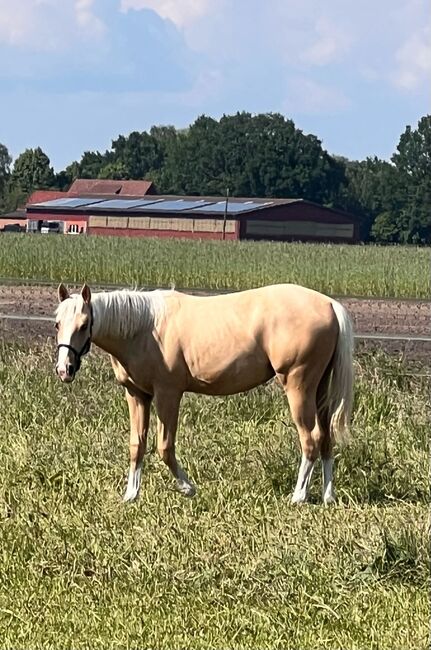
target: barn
<point>14,221</point>
<point>131,211</point>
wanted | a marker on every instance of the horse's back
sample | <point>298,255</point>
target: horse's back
<point>232,342</point>
<point>255,312</point>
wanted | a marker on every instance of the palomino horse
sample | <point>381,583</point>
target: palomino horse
<point>164,343</point>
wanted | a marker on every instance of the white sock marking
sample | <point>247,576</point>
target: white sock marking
<point>133,484</point>
<point>328,493</point>
<point>304,476</point>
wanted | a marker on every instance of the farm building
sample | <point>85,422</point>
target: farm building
<point>74,222</point>
<point>15,221</point>
<point>131,208</point>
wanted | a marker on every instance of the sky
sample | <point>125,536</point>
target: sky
<point>74,74</point>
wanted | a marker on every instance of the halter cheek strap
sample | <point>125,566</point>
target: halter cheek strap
<point>85,348</point>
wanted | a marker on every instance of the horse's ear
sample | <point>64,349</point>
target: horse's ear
<point>62,292</point>
<point>86,293</point>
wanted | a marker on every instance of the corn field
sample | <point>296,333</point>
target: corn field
<point>334,269</point>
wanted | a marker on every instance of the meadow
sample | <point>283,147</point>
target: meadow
<point>334,269</point>
<point>236,567</point>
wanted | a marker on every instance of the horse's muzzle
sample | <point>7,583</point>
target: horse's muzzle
<point>66,373</point>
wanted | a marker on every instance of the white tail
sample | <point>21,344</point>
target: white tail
<point>335,398</point>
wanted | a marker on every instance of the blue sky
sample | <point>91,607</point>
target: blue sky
<point>74,74</point>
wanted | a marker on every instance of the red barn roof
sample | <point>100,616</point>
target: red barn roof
<point>97,186</point>
<point>39,196</point>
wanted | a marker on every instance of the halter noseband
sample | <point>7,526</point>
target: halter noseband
<point>85,348</point>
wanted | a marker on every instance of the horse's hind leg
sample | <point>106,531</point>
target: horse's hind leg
<point>302,402</point>
<point>328,493</point>
<point>167,407</point>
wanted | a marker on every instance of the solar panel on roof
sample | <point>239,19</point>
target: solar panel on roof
<point>243,207</point>
<point>212,207</point>
<point>125,203</point>
<point>177,205</point>
<point>66,203</point>
<point>232,208</point>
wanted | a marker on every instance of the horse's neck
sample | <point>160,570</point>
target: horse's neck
<point>113,345</point>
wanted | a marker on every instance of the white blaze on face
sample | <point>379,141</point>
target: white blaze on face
<point>65,363</point>
<point>66,359</point>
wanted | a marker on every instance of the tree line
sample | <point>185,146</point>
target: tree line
<point>261,155</point>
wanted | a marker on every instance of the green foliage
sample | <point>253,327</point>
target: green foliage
<point>334,269</point>
<point>114,170</point>
<point>237,566</point>
<point>137,156</point>
<point>372,191</point>
<point>395,198</point>
<point>32,170</point>
<point>262,155</point>
<point>5,161</point>
<point>413,162</point>
<point>13,197</point>
<point>384,229</point>
<point>138,153</point>
<point>90,165</point>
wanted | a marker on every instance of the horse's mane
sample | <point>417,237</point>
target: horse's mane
<point>124,313</point>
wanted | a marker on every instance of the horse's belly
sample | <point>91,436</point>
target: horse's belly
<point>241,375</point>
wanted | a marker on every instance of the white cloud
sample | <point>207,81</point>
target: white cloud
<point>331,42</point>
<point>181,12</point>
<point>15,20</point>
<point>414,61</point>
<point>309,97</point>
<point>86,18</point>
<point>46,25</point>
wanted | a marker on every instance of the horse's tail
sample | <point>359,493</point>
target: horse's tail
<point>335,392</point>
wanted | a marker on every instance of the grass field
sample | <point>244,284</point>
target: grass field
<point>337,270</point>
<point>237,566</point>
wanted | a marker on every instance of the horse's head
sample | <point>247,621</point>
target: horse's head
<point>74,322</point>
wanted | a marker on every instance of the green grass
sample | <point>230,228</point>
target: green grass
<point>334,269</point>
<point>235,567</point>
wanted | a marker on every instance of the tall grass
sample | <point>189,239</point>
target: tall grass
<point>235,567</point>
<point>333,269</point>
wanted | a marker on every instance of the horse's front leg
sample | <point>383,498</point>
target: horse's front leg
<point>139,411</point>
<point>167,407</point>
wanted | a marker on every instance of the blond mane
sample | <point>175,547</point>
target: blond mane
<point>122,313</point>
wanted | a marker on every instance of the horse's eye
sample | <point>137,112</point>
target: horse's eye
<point>82,327</point>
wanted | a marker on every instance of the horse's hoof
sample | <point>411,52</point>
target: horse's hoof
<point>130,495</point>
<point>298,499</point>
<point>187,489</point>
<point>329,500</point>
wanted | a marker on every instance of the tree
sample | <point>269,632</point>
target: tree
<point>114,170</point>
<point>385,229</point>
<point>413,162</point>
<point>261,155</point>
<point>89,166</point>
<point>32,171</point>
<point>371,190</point>
<point>138,154</point>
<point>5,161</point>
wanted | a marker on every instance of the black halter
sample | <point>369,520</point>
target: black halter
<point>85,348</point>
